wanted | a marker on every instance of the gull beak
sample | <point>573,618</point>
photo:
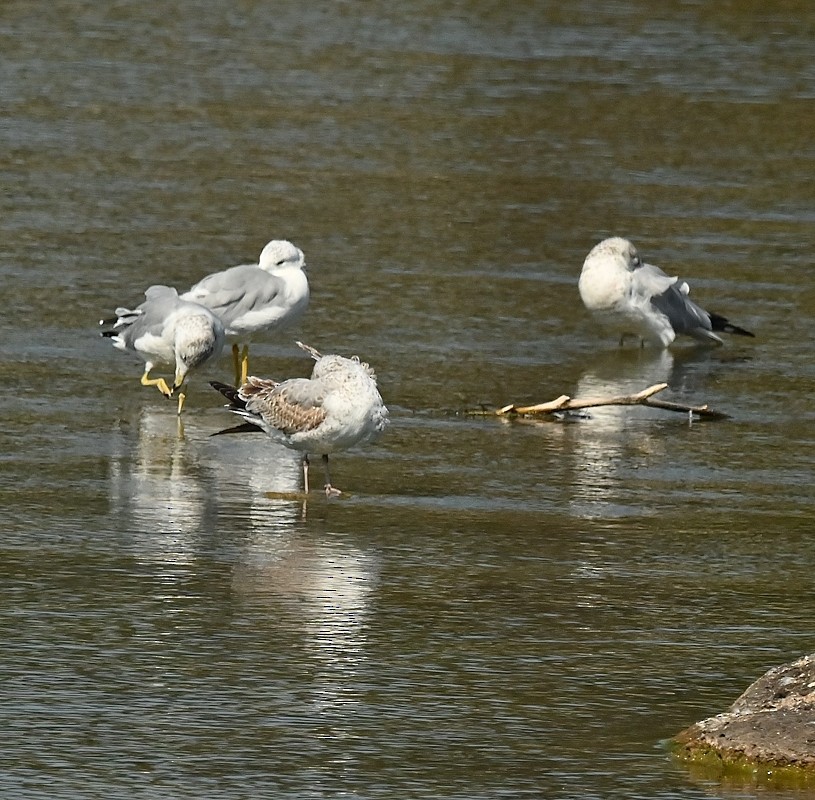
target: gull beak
<point>180,375</point>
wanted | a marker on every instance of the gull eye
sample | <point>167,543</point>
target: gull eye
<point>280,263</point>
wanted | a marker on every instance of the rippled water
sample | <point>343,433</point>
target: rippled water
<point>494,608</point>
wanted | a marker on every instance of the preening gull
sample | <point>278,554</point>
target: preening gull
<point>165,329</point>
<point>252,298</point>
<point>642,300</point>
<point>338,407</point>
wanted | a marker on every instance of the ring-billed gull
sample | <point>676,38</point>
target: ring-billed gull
<point>338,407</point>
<point>617,284</point>
<point>165,329</point>
<point>251,298</point>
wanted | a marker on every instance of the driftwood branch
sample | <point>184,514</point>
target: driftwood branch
<point>643,398</point>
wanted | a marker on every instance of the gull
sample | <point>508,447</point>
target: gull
<point>617,284</point>
<point>168,330</point>
<point>251,298</point>
<point>338,407</point>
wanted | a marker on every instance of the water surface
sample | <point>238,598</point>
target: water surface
<point>493,608</point>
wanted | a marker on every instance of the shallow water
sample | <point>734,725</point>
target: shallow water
<point>493,608</point>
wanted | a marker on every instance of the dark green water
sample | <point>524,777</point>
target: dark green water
<point>493,609</point>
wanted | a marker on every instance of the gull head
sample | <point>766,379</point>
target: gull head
<point>605,281</point>
<point>331,367</point>
<point>614,252</point>
<point>198,337</point>
<point>279,255</point>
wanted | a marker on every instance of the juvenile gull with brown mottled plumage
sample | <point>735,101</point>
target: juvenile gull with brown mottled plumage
<point>338,407</point>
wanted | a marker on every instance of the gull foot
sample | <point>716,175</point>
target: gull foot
<point>159,383</point>
<point>331,491</point>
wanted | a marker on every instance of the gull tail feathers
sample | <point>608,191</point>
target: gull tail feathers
<point>310,350</point>
<point>237,405</point>
<point>720,323</point>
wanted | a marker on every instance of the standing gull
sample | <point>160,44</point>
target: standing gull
<point>165,329</point>
<point>336,408</point>
<point>251,298</point>
<point>642,300</point>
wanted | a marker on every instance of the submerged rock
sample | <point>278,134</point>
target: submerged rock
<point>771,725</point>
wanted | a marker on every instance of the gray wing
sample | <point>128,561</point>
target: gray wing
<point>648,281</point>
<point>236,291</point>
<point>670,297</point>
<point>148,318</point>
<point>294,406</point>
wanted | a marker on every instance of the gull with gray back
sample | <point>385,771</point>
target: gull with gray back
<point>165,329</point>
<point>641,300</point>
<point>256,298</point>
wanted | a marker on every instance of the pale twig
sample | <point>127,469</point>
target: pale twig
<point>643,398</point>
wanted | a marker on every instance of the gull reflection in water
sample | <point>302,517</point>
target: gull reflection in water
<point>616,439</point>
<point>173,485</point>
<point>251,468</point>
<point>316,590</point>
<point>156,487</point>
<point>620,448</point>
<point>178,493</point>
<point>319,592</point>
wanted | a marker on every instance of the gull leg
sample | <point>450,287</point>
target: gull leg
<point>305,473</point>
<point>330,491</point>
<point>178,386</point>
<point>244,364</point>
<point>236,362</point>
<point>160,383</point>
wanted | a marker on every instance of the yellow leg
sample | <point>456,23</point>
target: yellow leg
<point>236,362</point>
<point>244,364</point>
<point>160,383</point>
<point>178,386</point>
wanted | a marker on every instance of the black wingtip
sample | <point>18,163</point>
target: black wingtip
<point>720,323</point>
<point>229,392</point>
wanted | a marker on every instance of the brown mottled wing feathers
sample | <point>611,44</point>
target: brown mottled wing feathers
<point>291,406</point>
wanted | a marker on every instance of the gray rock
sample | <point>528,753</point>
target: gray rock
<point>772,724</point>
